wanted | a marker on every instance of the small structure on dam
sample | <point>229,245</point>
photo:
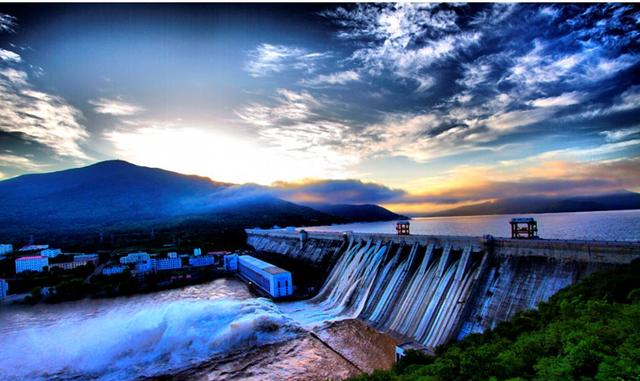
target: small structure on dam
<point>432,289</point>
<point>402,228</point>
<point>524,228</point>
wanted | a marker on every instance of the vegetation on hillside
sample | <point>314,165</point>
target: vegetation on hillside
<point>589,331</point>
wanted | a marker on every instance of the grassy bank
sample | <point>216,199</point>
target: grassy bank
<point>589,331</point>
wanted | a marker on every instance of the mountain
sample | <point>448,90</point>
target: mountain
<point>360,213</point>
<point>117,195</point>
<point>545,204</point>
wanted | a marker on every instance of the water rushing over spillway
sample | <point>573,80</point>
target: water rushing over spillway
<point>431,289</point>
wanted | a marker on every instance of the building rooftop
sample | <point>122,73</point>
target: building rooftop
<point>31,257</point>
<point>34,247</point>
<point>522,219</point>
<point>262,265</point>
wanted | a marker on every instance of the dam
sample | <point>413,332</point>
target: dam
<point>432,289</point>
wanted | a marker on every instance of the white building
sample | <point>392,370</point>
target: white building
<point>119,269</point>
<point>135,258</point>
<point>172,254</point>
<point>4,288</point>
<point>145,266</point>
<point>231,262</point>
<point>271,279</point>
<point>203,260</point>
<point>67,265</point>
<point>168,264</point>
<point>35,263</point>
<point>197,251</point>
<point>95,258</point>
<point>34,247</point>
<point>50,253</point>
<point>5,249</point>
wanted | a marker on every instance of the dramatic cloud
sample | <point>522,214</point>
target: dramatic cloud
<point>44,118</point>
<point>336,192</point>
<point>405,39</point>
<point>7,23</point>
<point>338,78</point>
<point>267,59</point>
<point>115,107</point>
<point>9,56</point>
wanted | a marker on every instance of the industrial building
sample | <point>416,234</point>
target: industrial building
<point>168,264</point>
<point>67,265</point>
<point>34,247</point>
<point>35,263</point>
<point>269,278</point>
<point>4,289</point>
<point>119,269</point>
<point>135,258</point>
<point>50,253</point>
<point>202,260</point>
<point>5,249</point>
<point>95,258</point>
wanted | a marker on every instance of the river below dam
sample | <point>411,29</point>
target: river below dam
<point>214,331</point>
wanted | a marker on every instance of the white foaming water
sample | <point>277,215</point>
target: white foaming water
<point>131,340</point>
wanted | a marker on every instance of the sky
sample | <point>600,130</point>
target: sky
<point>418,107</point>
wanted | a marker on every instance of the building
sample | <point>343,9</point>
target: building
<point>271,279</point>
<point>197,252</point>
<point>172,254</point>
<point>402,228</point>
<point>168,264</point>
<point>67,265</point>
<point>135,258</point>
<point>145,266</point>
<point>35,263</point>
<point>50,253</point>
<point>4,288</point>
<point>5,249</point>
<point>118,269</point>
<point>526,227</point>
<point>203,260</point>
<point>34,247</point>
<point>93,258</point>
<point>231,262</point>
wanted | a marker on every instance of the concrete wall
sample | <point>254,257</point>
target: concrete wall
<point>434,288</point>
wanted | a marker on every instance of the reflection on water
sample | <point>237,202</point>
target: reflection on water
<point>623,225</point>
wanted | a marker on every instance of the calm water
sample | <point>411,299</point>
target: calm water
<point>621,225</point>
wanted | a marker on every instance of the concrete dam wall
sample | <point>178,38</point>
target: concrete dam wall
<point>431,289</point>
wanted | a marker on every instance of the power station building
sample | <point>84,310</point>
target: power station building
<point>269,278</point>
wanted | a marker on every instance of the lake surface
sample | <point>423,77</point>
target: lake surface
<point>622,225</point>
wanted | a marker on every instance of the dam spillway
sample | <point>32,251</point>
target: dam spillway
<point>432,289</point>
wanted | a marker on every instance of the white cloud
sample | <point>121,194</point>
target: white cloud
<point>7,23</point>
<point>512,119</point>
<point>267,59</point>
<point>564,99</point>
<point>22,163</point>
<point>618,135</point>
<point>17,77</point>
<point>9,56</point>
<point>44,118</point>
<point>115,107</point>
<point>407,38</point>
<point>339,78</point>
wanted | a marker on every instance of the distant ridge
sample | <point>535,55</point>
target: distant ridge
<point>116,195</point>
<point>545,204</point>
<point>357,213</point>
